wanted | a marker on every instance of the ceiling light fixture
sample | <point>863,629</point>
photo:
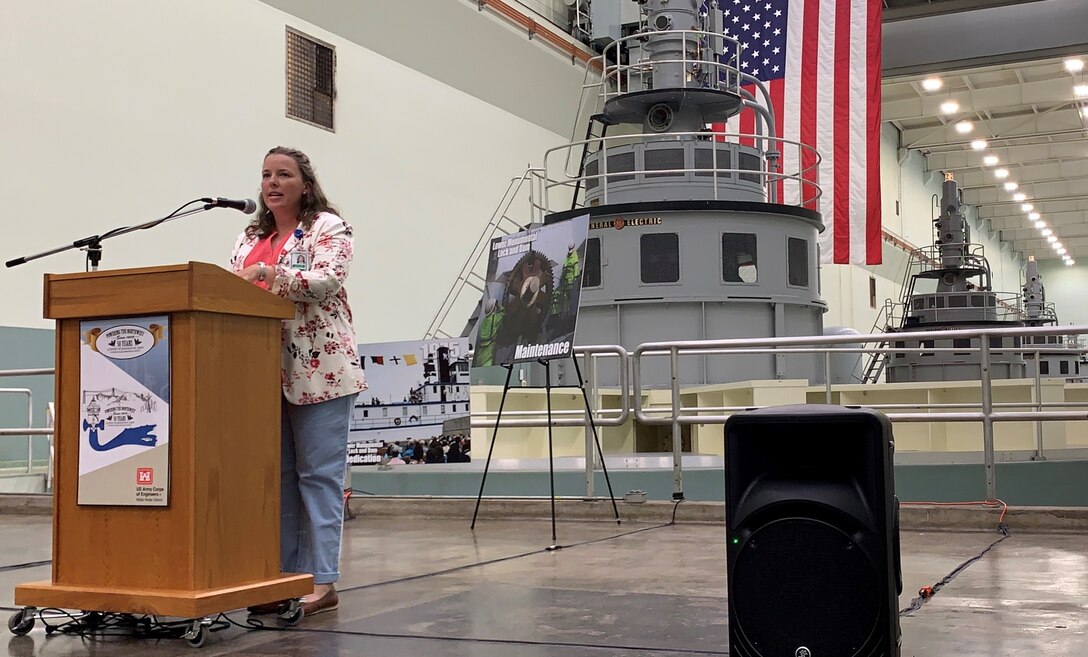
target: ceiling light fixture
<point>1019,196</point>
<point>1046,232</point>
<point>949,107</point>
<point>1052,239</point>
<point>1080,90</point>
<point>932,84</point>
<point>1074,65</point>
<point>1034,216</point>
<point>1027,207</point>
<point>963,127</point>
<point>1001,173</point>
<point>1011,186</point>
<point>990,160</point>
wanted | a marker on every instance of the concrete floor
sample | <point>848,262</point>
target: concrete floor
<point>660,591</point>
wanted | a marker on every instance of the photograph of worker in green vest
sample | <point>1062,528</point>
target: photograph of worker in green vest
<point>530,304</point>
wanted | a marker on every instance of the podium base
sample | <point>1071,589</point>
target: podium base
<point>162,602</point>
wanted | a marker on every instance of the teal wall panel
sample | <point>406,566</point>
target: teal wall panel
<point>24,348</point>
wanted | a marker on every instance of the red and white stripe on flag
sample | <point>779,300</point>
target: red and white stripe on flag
<point>826,95</point>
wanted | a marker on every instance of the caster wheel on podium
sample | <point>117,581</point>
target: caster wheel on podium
<point>292,614</point>
<point>91,619</point>
<point>22,621</point>
<point>197,634</point>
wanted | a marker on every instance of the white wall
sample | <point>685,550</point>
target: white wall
<point>1065,287</point>
<point>138,107</point>
<point>116,112</point>
<point>903,178</point>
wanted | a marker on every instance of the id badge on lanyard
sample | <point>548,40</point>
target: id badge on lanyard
<point>297,259</point>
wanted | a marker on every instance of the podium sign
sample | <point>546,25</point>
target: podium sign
<point>124,390</point>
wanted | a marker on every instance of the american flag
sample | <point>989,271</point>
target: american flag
<point>821,62</point>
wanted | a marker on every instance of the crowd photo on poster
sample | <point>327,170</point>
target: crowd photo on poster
<point>416,409</point>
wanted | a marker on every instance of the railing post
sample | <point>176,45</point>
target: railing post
<point>532,204</point>
<point>1038,407</point>
<point>677,435</point>
<point>987,417</point>
<point>602,160</point>
<point>29,424</point>
<point>591,394</point>
<point>714,163</point>
<point>827,376</point>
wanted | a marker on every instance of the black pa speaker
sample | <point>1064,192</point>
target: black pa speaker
<point>812,543</point>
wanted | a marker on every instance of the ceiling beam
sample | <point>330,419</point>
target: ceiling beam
<point>1055,91</point>
<point>1051,208</point>
<point>1026,174</point>
<point>1065,118</point>
<point>984,36</point>
<point>1039,190</point>
<point>1024,153</point>
<point>1059,220</point>
<point>1063,233</point>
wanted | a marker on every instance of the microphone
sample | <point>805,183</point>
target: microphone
<point>246,205</point>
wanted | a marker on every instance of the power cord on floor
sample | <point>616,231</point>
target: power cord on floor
<point>29,564</point>
<point>256,624</point>
<point>927,592</point>
<point>674,508</point>
<point>96,624</point>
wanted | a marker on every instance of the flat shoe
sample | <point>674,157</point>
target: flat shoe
<point>327,602</point>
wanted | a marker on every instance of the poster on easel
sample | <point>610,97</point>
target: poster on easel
<point>124,412</point>
<point>530,304</point>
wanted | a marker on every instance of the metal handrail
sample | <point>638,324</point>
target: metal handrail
<point>987,416</point>
<point>30,431</point>
<point>467,276</point>
<point>601,417</point>
<point>41,371</point>
<point>708,78</point>
<point>805,178</point>
<point>29,422</point>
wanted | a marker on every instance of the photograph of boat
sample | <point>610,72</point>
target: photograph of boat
<point>418,390</point>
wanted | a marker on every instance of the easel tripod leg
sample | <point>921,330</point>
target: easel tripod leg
<point>491,449</point>
<point>551,456</point>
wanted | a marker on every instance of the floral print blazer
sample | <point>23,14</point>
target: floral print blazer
<point>319,357</point>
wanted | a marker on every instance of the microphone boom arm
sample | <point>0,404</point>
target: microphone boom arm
<point>93,243</point>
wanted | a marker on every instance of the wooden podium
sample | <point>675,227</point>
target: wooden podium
<point>215,546</point>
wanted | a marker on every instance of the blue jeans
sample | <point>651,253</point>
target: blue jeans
<point>314,440</point>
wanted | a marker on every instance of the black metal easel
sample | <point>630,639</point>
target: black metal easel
<point>551,459</point>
